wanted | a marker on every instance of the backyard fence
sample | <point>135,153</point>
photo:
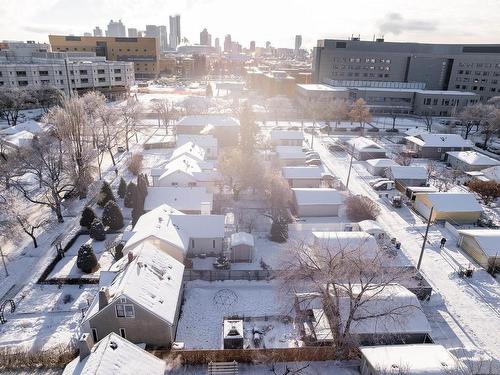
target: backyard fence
<point>218,275</point>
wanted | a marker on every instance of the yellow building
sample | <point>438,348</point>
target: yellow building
<point>143,52</point>
<point>456,208</point>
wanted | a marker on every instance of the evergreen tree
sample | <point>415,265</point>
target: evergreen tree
<point>97,231</point>
<point>112,216</point>
<point>279,231</point>
<point>119,251</point>
<point>105,195</point>
<point>142,189</point>
<point>136,214</point>
<point>131,195</point>
<point>88,215</point>
<point>86,259</point>
<point>122,188</point>
<point>209,92</point>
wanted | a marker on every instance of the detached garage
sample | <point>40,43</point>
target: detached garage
<point>481,244</point>
<point>242,246</point>
<point>378,167</point>
<point>456,208</point>
<point>363,149</point>
<point>321,202</point>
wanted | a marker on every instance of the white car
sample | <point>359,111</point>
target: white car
<point>377,180</point>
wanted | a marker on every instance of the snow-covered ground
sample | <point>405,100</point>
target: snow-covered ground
<point>207,303</point>
<point>472,306</point>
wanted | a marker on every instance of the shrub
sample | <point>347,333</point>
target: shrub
<point>105,195</point>
<point>487,190</point>
<point>97,230</point>
<point>392,130</point>
<point>119,251</point>
<point>135,163</point>
<point>359,208</point>
<point>112,216</point>
<point>88,216</point>
<point>131,195</point>
<point>86,259</point>
<point>122,188</point>
<point>136,214</point>
<point>279,231</point>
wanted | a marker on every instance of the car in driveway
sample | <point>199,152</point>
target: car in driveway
<point>377,180</point>
<point>384,185</point>
<point>120,149</point>
<point>314,162</point>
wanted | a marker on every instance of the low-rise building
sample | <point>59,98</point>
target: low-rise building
<point>364,149</point>
<point>407,175</point>
<point>188,200</point>
<point>482,245</point>
<point>223,127</point>
<point>316,202</point>
<point>435,146</point>
<point>303,177</point>
<point>351,244</point>
<point>378,167</point>
<point>291,155</point>
<point>287,137</point>
<point>207,142</point>
<point>456,208</point>
<point>468,161</point>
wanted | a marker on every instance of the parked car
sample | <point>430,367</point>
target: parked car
<point>373,130</point>
<point>335,147</point>
<point>312,153</point>
<point>494,147</point>
<point>314,162</point>
<point>384,185</point>
<point>120,149</point>
<point>377,180</point>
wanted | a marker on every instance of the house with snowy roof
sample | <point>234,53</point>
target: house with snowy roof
<point>290,155</point>
<point>207,142</point>
<point>188,200</point>
<point>333,244</point>
<point>287,137</point>
<point>483,245</point>
<point>191,149</point>
<point>113,354</point>
<point>316,202</point>
<point>224,128</point>
<point>408,175</point>
<point>414,359</point>
<point>468,161</point>
<point>435,146</point>
<point>378,167</point>
<point>456,208</point>
<point>390,314</point>
<point>303,177</point>
<point>364,148</point>
<point>142,302</point>
<point>492,173</point>
<point>177,234</point>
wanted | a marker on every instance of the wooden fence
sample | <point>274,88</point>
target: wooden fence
<point>217,275</point>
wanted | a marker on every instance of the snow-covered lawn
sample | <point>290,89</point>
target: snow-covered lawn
<point>66,267</point>
<point>46,316</point>
<point>207,303</point>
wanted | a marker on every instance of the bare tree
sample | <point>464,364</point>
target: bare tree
<point>46,97</point>
<point>130,114</point>
<point>491,124</point>
<point>473,116</point>
<point>162,109</point>
<point>339,111</point>
<point>442,178</point>
<point>360,207</point>
<point>360,113</point>
<point>349,282</point>
<point>427,119</point>
<point>108,123</point>
<point>277,105</point>
<point>403,159</point>
<point>12,101</point>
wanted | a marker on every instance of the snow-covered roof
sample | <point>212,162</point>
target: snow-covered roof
<point>381,163</point>
<point>453,202</point>
<point>180,198</point>
<point>321,87</point>
<point>487,239</point>
<point>242,238</point>
<point>31,126</point>
<point>205,141</point>
<point>414,359</point>
<point>290,152</point>
<point>116,355</point>
<point>298,173</point>
<point>278,135</point>
<point>493,173</point>
<point>19,139</point>
<point>415,131</point>
<point>152,280</point>
<point>199,170</point>
<point>439,140</point>
<point>394,308</point>
<point>473,158</point>
<point>360,243</point>
<point>401,172</point>
<point>370,226</point>
<point>190,149</point>
<point>364,144</point>
<point>317,196</point>
<point>205,120</point>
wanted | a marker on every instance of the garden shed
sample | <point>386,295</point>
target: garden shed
<point>242,247</point>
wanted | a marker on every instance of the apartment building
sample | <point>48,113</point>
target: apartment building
<point>143,52</point>
<point>463,67</point>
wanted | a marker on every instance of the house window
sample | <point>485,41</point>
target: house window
<point>120,311</point>
<point>122,333</point>
<point>94,335</point>
<point>125,311</point>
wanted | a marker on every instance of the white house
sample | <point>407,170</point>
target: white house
<point>287,137</point>
<point>481,244</point>
<point>303,177</point>
<point>408,175</point>
<point>364,149</point>
<point>113,354</point>
<point>224,128</point>
<point>378,167</point>
<point>190,149</point>
<point>142,301</point>
<point>189,200</point>
<point>467,161</point>
<point>207,142</point>
<point>312,202</point>
<point>415,359</point>
<point>178,234</point>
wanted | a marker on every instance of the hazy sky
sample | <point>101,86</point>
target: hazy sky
<point>461,21</point>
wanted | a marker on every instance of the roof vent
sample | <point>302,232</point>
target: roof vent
<point>113,345</point>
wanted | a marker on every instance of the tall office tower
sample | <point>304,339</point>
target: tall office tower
<point>217,44</point>
<point>97,31</point>
<point>252,46</point>
<point>227,43</point>
<point>163,38</point>
<point>268,45</point>
<point>175,31</point>
<point>298,44</point>
<point>205,38</point>
<point>116,29</point>
<point>132,32</point>
<point>152,31</point>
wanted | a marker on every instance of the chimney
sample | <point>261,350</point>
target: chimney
<point>206,208</point>
<point>103,298</point>
<point>130,256</point>
<point>85,344</point>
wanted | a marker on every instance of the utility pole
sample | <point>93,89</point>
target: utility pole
<point>3,261</point>
<point>425,239</point>
<point>312,135</point>
<point>350,167</point>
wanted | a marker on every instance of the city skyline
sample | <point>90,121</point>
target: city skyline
<point>315,20</point>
